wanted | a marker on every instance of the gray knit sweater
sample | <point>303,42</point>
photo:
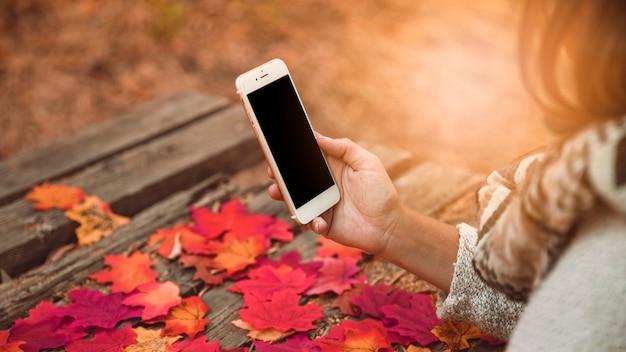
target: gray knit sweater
<point>579,306</point>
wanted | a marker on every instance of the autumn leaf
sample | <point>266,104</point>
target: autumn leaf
<point>9,346</point>
<point>214,224</point>
<point>186,318</point>
<point>236,254</point>
<point>156,297</point>
<point>49,196</point>
<point>270,279</point>
<point>456,333</point>
<point>174,240</point>
<point>373,298</point>
<point>266,335</point>
<point>151,341</point>
<point>125,280</point>
<point>202,264</point>
<point>283,312</point>
<point>414,323</point>
<point>42,329</point>
<point>297,343</point>
<point>196,344</point>
<point>330,248</point>
<point>93,309</point>
<point>366,335</point>
<point>96,220</point>
<point>344,300</point>
<point>336,275</point>
<point>105,340</point>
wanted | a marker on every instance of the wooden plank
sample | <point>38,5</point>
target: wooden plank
<point>98,142</point>
<point>429,187</point>
<point>131,181</point>
<point>19,295</point>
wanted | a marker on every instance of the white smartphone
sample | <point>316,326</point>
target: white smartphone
<point>284,132</point>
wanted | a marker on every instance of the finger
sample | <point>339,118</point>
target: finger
<point>346,150</point>
<point>319,226</point>
<point>275,192</point>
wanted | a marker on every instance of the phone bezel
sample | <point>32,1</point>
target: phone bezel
<point>253,80</point>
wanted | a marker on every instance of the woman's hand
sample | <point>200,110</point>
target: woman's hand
<point>371,217</point>
<point>369,204</point>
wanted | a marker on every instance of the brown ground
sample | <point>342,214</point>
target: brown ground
<point>438,78</point>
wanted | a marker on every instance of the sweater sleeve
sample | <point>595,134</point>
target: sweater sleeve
<point>471,299</point>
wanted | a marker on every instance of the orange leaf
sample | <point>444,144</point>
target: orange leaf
<point>123,279</point>
<point>96,219</point>
<point>50,196</point>
<point>187,318</point>
<point>151,341</point>
<point>235,254</point>
<point>266,335</point>
<point>173,240</point>
<point>9,346</point>
<point>456,333</point>
<point>372,340</point>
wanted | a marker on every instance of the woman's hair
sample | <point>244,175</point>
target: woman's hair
<point>573,58</point>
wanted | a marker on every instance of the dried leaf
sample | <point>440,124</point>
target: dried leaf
<point>96,220</point>
<point>58,196</point>
<point>266,335</point>
<point>151,341</point>
<point>456,333</point>
<point>123,279</point>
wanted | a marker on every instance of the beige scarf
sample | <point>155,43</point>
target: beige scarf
<point>530,210</point>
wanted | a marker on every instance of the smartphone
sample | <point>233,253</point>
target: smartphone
<point>286,137</point>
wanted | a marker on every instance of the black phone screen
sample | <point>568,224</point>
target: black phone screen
<point>283,121</point>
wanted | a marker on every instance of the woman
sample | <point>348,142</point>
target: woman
<point>545,268</point>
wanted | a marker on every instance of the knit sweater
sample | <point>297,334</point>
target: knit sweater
<point>579,306</point>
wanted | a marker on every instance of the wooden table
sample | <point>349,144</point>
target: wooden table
<point>150,165</point>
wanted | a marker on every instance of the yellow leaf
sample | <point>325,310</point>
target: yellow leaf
<point>151,341</point>
<point>456,333</point>
<point>96,219</point>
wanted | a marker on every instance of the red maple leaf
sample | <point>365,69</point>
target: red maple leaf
<point>372,298</point>
<point>186,318</point>
<point>282,312</point>
<point>93,309</point>
<point>366,335</point>
<point>295,343</point>
<point>105,340</point>
<point>156,297</point>
<point>336,275</point>
<point>58,196</point>
<point>203,272</point>
<point>344,300</point>
<point>196,344</point>
<point>270,279</point>
<point>174,240</point>
<point>414,323</point>
<point>125,280</point>
<point>9,347</point>
<point>42,329</point>
<point>330,248</point>
<point>213,224</point>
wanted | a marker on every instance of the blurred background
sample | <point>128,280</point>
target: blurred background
<point>437,78</point>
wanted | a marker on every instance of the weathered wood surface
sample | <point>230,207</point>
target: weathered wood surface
<point>133,179</point>
<point>210,157</point>
<point>100,141</point>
